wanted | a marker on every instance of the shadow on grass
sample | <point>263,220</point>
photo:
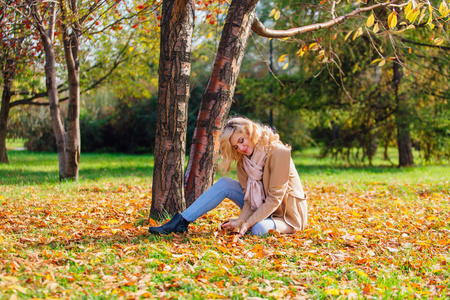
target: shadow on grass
<point>21,177</point>
<point>313,169</point>
<point>42,168</point>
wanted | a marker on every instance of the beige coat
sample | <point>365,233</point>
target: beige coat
<point>285,200</point>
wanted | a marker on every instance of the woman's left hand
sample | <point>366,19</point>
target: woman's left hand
<point>244,228</point>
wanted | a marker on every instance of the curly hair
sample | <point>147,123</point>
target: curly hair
<point>260,135</point>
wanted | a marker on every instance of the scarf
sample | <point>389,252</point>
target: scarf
<point>254,168</point>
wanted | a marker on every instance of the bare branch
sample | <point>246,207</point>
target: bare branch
<point>259,28</point>
<point>423,44</point>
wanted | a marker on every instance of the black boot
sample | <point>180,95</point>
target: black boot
<point>177,224</point>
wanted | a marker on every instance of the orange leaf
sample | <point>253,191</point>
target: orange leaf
<point>152,223</point>
<point>368,289</point>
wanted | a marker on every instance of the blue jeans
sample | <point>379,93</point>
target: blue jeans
<point>223,188</point>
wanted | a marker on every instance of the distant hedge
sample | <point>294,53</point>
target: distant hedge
<point>129,128</point>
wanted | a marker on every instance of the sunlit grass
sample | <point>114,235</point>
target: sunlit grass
<point>15,143</point>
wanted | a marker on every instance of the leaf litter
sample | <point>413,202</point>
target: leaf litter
<point>381,241</point>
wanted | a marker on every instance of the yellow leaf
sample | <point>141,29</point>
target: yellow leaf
<point>209,35</point>
<point>272,12</point>
<point>382,63</point>
<point>359,32</point>
<point>277,15</point>
<point>370,21</point>
<point>285,66</point>
<point>430,19</point>
<point>348,34</point>
<point>422,15</point>
<point>334,292</point>
<point>376,28</point>
<point>412,15</point>
<point>113,221</point>
<point>282,58</point>
<point>408,8</point>
<point>348,292</point>
<point>392,20</point>
<point>356,214</point>
<point>130,49</point>
<point>18,288</point>
<point>443,9</point>
<point>321,54</point>
<point>361,273</point>
<point>314,47</point>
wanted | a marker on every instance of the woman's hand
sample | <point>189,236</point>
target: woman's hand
<point>233,223</point>
<point>244,228</point>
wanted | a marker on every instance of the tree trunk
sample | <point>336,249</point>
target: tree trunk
<point>4,113</point>
<point>55,111</point>
<point>73,143</point>
<point>402,119</point>
<point>50,81</point>
<point>177,25</point>
<point>217,98</point>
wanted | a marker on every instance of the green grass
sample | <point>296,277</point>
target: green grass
<point>42,168</point>
<point>374,232</point>
<point>313,168</point>
<point>14,143</point>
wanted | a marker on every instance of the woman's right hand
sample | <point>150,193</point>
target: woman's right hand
<point>233,223</point>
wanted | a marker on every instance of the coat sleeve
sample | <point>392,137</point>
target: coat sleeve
<point>278,165</point>
<point>246,211</point>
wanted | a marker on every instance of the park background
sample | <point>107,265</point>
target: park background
<point>375,230</point>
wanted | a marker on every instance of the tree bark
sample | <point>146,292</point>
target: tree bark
<point>71,49</point>
<point>50,80</point>
<point>4,113</point>
<point>177,25</point>
<point>402,119</point>
<point>217,98</point>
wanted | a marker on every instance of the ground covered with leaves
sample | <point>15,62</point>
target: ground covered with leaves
<point>375,240</point>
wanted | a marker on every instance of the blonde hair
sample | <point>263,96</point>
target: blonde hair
<point>260,135</point>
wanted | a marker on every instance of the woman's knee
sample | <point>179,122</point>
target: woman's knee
<point>263,227</point>
<point>226,181</point>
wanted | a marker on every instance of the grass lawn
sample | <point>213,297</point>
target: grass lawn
<point>374,232</point>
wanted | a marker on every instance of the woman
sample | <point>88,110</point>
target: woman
<point>269,191</point>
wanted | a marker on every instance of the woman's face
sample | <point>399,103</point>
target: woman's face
<point>241,143</point>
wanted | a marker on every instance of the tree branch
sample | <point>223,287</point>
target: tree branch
<point>423,44</point>
<point>259,28</point>
<point>30,101</point>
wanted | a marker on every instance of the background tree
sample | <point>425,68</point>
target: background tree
<point>71,19</point>
<point>18,50</point>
